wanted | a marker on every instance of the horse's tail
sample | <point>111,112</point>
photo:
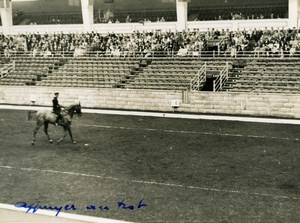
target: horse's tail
<point>29,115</point>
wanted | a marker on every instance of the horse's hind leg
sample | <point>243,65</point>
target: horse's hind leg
<point>38,126</point>
<point>46,124</point>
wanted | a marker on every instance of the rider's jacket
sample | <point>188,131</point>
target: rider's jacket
<point>55,105</point>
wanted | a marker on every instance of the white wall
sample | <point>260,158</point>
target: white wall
<point>165,26</point>
<point>252,104</point>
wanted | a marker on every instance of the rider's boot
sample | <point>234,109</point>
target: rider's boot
<point>56,122</point>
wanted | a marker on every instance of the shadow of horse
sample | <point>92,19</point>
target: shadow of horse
<point>45,117</point>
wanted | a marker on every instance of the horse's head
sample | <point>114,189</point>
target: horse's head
<point>75,109</point>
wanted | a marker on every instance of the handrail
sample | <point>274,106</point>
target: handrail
<point>221,79</point>
<point>162,54</point>
<point>198,79</point>
<point>4,71</point>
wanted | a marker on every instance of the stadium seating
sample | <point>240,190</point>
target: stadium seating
<point>174,73</point>
<point>158,63</point>
<point>28,70</point>
<point>90,72</point>
<point>268,75</point>
<point>257,75</point>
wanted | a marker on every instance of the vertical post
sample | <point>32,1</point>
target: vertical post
<point>6,16</point>
<point>181,9</point>
<point>293,13</point>
<point>198,80</point>
<point>87,9</point>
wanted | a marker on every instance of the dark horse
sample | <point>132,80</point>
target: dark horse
<point>45,118</point>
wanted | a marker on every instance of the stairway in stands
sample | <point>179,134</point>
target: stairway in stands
<point>29,70</point>
<point>166,74</point>
<point>267,75</point>
<point>234,72</point>
<point>172,73</point>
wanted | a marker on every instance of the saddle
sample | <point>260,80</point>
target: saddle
<point>62,112</point>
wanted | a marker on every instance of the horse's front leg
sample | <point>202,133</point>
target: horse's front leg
<point>46,124</point>
<point>65,134</point>
<point>71,136</point>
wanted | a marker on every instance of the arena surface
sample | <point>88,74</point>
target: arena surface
<point>161,169</point>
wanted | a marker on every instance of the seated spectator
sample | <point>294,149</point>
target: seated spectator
<point>233,50</point>
<point>47,53</point>
<point>182,52</point>
<point>256,50</point>
<point>128,19</point>
<point>116,52</point>
<point>35,52</point>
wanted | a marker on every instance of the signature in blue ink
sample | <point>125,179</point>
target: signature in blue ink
<point>122,204</point>
<point>35,207</point>
<point>94,207</point>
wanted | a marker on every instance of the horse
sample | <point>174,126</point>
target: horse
<point>45,118</point>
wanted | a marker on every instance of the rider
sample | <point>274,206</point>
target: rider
<point>56,108</point>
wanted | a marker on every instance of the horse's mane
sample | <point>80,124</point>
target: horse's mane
<point>72,105</point>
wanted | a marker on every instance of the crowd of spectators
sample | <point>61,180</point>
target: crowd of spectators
<point>191,42</point>
<point>278,42</point>
<point>142,43</point>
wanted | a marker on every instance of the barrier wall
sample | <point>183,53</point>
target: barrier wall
<point>252,104</point>
<point>150,26</point>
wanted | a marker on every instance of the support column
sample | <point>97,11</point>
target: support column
<point>293,13</point>
<point>182,11</point>
<point>87,8</point>
<point>6,16</point>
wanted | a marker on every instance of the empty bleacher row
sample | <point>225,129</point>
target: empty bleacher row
<point>104,72</point>
<point>175,74</point>
<point>271,76</point>
<point>87,72</point>
<point>27,70</point>
<point>166,74</point>
<point>256,75</point>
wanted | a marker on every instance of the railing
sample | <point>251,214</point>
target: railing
<point>7,69</point>
<point>221,79</point>
<point>162,54</point>
<point>199,79</point>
